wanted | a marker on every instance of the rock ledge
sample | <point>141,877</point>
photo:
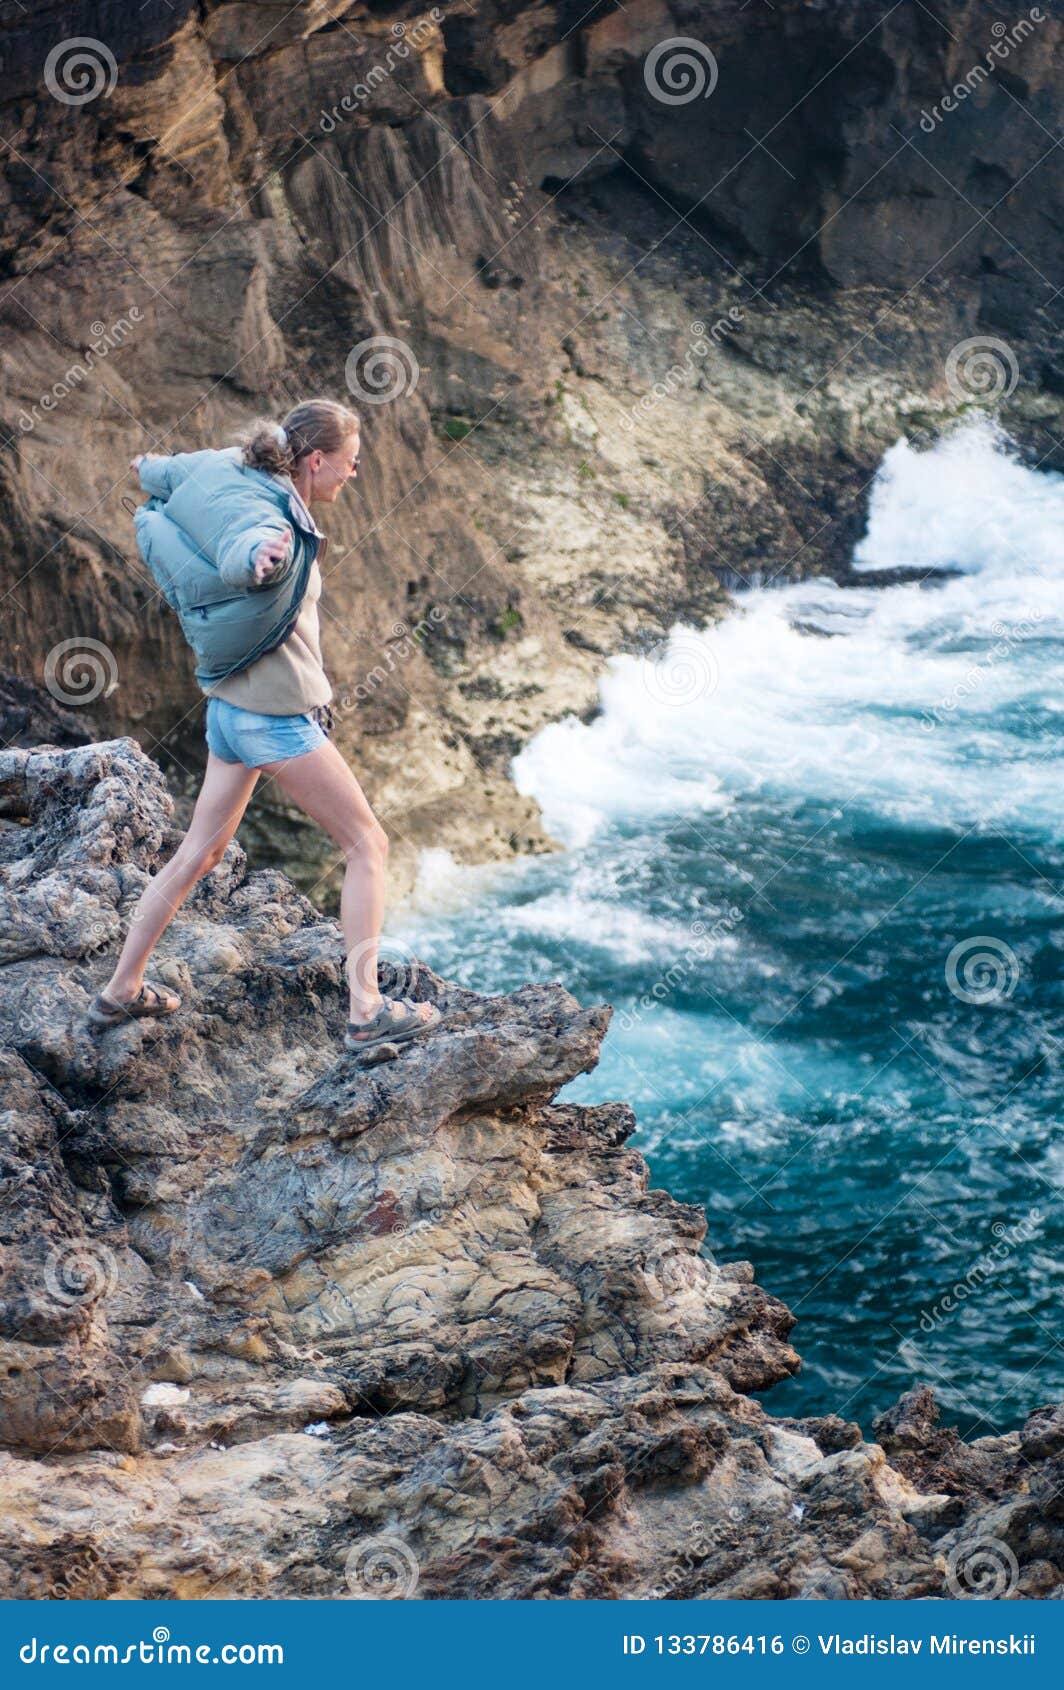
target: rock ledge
<point>276,1323</point>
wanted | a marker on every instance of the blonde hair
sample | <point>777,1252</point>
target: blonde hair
<point>314,425</point>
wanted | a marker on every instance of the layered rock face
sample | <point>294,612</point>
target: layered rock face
<point>274,1321</point>
<point>630,326</point>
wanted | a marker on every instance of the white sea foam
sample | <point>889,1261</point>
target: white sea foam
<point>968,504</point>
<point>444,885</point>
<point>629,936</point>
<point>905,700</point>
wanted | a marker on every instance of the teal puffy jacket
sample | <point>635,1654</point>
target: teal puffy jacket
<point>207,515</point>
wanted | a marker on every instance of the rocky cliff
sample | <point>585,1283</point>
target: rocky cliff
<point>277,1323</point>
<point>626,321</point>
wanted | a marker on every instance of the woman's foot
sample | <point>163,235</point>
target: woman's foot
<point>393,1022</point>
<point>151,1000</point>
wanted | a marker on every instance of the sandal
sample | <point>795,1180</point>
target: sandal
<point>396,1020</point>
<point>150,1000</point>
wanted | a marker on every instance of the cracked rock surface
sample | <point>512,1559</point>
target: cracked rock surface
<point>273,1322</point>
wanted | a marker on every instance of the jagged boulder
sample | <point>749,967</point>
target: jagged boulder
<point>298,1325</point>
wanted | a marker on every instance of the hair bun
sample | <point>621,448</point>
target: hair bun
<point>312,425</point>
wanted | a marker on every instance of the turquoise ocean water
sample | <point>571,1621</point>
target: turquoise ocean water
<point>813,858</point>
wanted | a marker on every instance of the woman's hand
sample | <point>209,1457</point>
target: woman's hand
<point>269,556</point>
<point>142,458</point>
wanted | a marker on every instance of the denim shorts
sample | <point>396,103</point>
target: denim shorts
<point>244,736</point>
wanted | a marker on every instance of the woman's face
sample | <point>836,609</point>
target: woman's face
<point>330,471</point>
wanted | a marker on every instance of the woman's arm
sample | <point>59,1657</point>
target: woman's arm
<point>256,556</point>
<point>226,516</point>
<point>159,472</point>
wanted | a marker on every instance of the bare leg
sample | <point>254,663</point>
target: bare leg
<point>221,803</point>
<point>323,786</point>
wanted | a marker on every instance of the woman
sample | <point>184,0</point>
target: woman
<point>230,538</point>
